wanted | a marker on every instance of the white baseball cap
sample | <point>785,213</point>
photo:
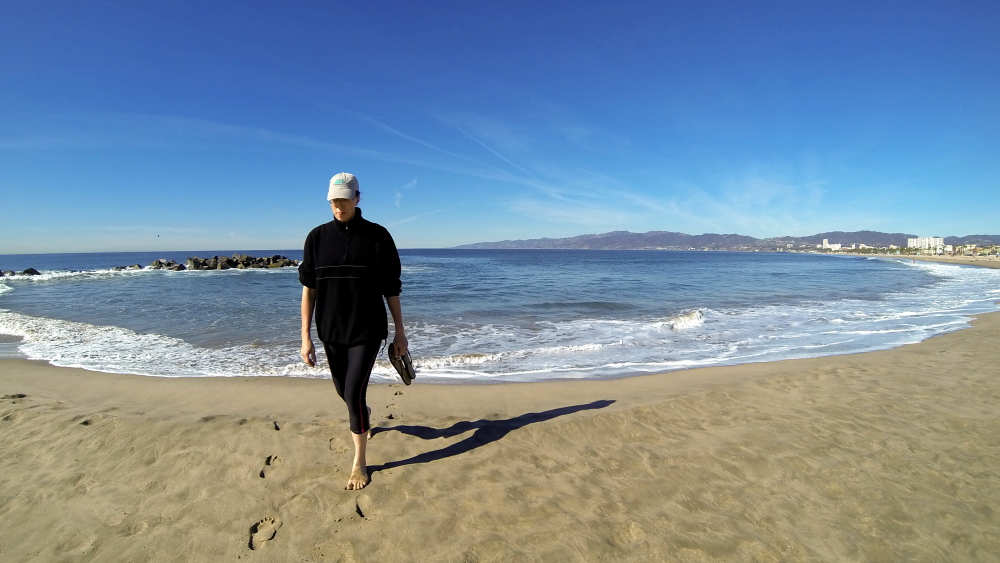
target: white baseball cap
<point>342,186</point>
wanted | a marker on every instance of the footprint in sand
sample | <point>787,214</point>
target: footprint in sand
<point>270,464</point>
<point>363,505</point>
<point>80,543</point>
<point>336,446</point>
<point>263,532</point>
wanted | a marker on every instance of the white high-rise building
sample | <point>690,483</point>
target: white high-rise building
<point>828,246</point>
<point>926,243</point>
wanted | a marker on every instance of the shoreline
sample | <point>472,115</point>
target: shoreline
<point>887,455</point>
<point>980,261</point>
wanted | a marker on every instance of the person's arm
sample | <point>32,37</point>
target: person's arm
<point>392,285</point>
<point>308,351</point>
<point>397,320</point>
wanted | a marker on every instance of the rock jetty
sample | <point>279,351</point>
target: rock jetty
<point>237,261</point>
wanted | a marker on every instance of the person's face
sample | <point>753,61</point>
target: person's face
<point>343,209</point>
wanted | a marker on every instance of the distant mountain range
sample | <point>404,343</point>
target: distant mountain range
<point>666,240</point>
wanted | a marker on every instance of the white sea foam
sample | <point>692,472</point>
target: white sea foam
<point>417,269</point>
<point>119,350</point>
<point>53,275</point>
<point>611,347</point>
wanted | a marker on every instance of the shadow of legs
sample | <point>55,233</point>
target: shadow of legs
<point>486,431</point>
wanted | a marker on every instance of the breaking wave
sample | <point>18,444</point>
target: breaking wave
<point>687,320</point>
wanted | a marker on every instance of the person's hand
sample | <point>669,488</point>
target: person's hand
<point>308,352</point>
<point>402,345</point>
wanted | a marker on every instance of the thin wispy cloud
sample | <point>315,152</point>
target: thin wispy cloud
<point>497,154</point>
<point>397,198</point>
<point>577,213</point>
<point>751,205</point>
<point>493,130</point>
<point>519,175</point>
<point>415,217</point>
<point>379,124</point>
<point>152,130</point>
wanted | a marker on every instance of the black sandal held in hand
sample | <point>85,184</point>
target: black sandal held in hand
<point>403,364</point>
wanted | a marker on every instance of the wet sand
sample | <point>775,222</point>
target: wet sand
<point>983,261</point>
<point>882,456</point>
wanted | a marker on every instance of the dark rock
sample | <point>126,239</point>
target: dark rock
<point>1,273</point>
<point>134,267</point>
<point>118,268</point>
<point>9,273</point>
<point>195,263</point>
<point>280,263</point>
<point>31,272</point>
<point>162,264</point>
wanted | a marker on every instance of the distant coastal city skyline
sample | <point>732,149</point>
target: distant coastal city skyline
<point>665,240</point>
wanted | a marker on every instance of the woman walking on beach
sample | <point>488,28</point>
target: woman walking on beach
<point>348,266</point>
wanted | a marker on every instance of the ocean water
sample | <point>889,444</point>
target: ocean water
<point>492,315</point>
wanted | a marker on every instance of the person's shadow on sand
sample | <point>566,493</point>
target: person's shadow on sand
<point>486,431</point>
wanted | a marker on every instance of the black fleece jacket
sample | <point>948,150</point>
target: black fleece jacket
<point>351,266</point>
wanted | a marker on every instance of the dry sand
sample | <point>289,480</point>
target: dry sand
<point>884,456</point>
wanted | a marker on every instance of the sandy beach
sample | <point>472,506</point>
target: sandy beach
<point>882,456</point>
<point>982,261</point>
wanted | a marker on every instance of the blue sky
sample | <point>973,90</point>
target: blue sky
<point>217,125</point>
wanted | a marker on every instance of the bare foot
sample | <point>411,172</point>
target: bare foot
<point>359,478</point>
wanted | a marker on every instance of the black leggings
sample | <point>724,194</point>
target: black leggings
<point>351,367</point>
